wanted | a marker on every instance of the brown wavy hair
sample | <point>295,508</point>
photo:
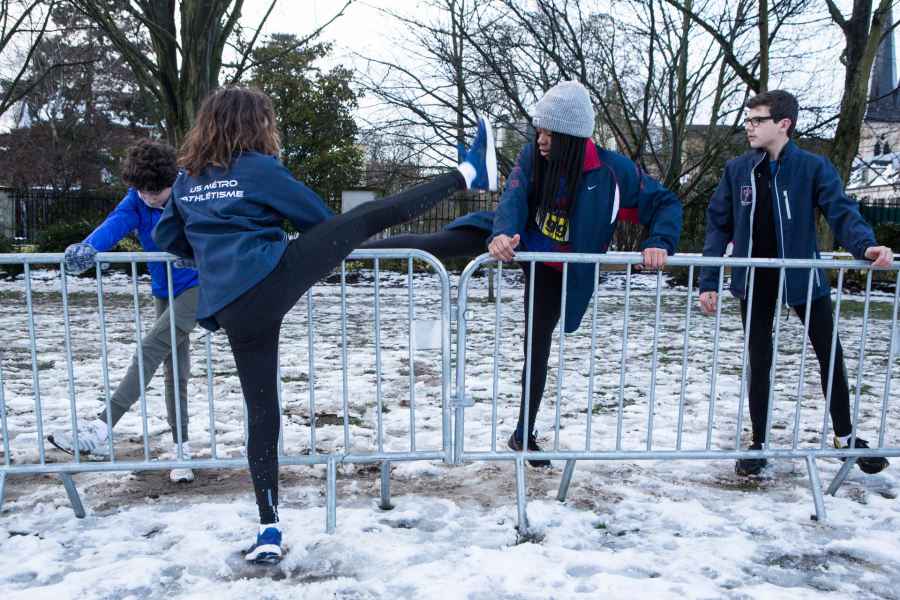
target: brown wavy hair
<point>231,120</point>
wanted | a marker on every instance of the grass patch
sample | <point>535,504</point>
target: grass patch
<point>304,378</point>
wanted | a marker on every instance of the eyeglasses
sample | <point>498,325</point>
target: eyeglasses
<point>756,121</point>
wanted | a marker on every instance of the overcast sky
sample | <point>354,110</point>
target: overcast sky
<point>360,29</point>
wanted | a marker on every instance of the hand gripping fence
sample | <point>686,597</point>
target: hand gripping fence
<point>623,435</point>
<point>22,455</point>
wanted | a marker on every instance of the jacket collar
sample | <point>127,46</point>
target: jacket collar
<point>789,151</point>
<point>591,158</point>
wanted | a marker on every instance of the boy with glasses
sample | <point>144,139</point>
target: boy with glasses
<point>764,203</point>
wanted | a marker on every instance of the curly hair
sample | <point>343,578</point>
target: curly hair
<point>150,166</point>
<point>231,120</point>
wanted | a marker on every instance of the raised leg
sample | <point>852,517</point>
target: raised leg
<point>520,495</point>
<point>818,499</point>
<point>566,479</point>
<point>73,494</point>
<point>386,485</point>
<point>842,474</point>
<point>330,497</point>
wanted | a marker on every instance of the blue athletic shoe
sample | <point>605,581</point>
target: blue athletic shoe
<point>267,549</point>
<point>483,156</point>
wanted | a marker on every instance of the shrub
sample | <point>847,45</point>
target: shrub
<point>888,234</point>
<point>6,247</point>
<point>60,236</point>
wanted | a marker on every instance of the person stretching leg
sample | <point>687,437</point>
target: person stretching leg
<point>227,213</point>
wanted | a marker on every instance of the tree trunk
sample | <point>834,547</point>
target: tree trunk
<point>863,36</point>
<point>763,45</point>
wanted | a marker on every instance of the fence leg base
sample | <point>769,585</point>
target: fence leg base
<point>520,495</point>
<point>73,494</point>
<point>818,499</point>
<point>386,485</point>
<point>566,479</point>
<point>330,496</point>
<point>842,474</point>
<point>2,488</point>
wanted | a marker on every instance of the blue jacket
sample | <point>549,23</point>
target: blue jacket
<point>133,213</point>
<point>802,182</point>
<point>230,222</point>
<point>612,188</point>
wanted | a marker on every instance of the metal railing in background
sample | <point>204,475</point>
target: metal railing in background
<point>672,448</point>
<point>423,335</point>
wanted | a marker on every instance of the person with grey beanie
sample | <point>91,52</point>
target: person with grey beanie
<point>565,194</point>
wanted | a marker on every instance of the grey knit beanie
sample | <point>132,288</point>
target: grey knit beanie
<point>565,108</point>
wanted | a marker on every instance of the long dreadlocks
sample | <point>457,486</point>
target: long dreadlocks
<point>557,178</point>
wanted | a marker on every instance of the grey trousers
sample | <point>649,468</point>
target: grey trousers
<point>156,347</point>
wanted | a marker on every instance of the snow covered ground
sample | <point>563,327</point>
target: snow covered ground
<point>649,529</point>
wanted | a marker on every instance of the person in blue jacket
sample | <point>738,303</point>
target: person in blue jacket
<point>764,203</point>
<point>543,210</point>
<point>227,212</point>
<point>149,169</point>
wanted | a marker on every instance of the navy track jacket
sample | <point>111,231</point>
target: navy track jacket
<point>133,213</point>
<point>230,222</point>
<point>803,182</point>
<point>612,188</point>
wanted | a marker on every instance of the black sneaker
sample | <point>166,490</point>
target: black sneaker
<point>515,443</point>
<point>867,464</point>
<point>750,466</point>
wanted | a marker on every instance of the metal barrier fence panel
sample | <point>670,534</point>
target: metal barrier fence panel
<point>360,381</point>
<point>653,380</point>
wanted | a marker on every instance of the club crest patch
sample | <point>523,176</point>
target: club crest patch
<point>746,193</point>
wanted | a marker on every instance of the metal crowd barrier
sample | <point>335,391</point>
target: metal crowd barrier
<point>423,335</point>
<point>463,399</point>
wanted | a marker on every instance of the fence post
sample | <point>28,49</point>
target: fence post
<point>7,213</point>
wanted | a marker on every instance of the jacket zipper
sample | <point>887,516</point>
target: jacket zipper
<point>752,210</point>
<point>787,204</point>
<point>780,226</point>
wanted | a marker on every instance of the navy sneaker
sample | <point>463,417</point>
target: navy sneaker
<point>750,466</point>
<point>867,464</point>
<point>515,444</point>
<point>483,156</point>
<point>267,549</point>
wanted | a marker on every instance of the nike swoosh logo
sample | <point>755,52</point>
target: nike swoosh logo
<point>592,187</point>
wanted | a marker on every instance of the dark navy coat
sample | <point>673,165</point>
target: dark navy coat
<point>612,188</point>
<point>133,213</point>
<point>802,182</point>
<point>231,223</point>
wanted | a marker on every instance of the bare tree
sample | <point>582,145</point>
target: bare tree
<point>23,26</point>
<point>188,39</point>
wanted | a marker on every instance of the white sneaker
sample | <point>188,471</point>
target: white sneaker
<point>181,475</point>
<point>88,440</point>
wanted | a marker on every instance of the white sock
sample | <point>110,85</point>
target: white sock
<point>184,451</point>
<point>843,440</point>
<point>101,429</point>
<point>468,171</point>
<point>262,528</point>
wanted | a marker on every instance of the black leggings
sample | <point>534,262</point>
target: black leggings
<point>547,304</point>
<point>451,243</point>
<point>821,321</point>
<point>253,321</point>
